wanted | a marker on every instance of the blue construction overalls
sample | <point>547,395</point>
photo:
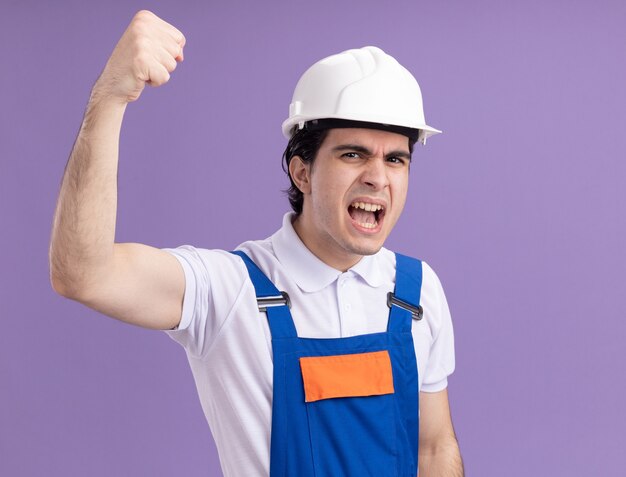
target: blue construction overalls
<point>344,407</point>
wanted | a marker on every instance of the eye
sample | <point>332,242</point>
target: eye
<point>352,156</point>
<point>396,160</point>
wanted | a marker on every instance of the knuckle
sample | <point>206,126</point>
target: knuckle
<point>161,79</point>
<point>143,14</point>
<point>142,22</point>
<point>159,75</point>
<point>138,29</point>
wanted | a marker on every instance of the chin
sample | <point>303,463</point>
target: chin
<point>369,249</point>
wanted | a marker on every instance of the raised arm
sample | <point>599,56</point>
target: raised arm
<point>132,282</point>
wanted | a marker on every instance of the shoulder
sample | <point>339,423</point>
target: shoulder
<point>433,300</point>
<point>219,269</point>
<point>204,260</point>
<point>430,279</point>
<point>432,296</point>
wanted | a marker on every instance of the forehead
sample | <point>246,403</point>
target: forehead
<point>373,139</point>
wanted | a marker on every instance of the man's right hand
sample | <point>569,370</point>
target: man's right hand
<point>147,53</point>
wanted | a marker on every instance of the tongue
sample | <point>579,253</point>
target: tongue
<point>362,216</point>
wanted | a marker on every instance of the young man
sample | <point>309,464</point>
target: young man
<point>315,351</point>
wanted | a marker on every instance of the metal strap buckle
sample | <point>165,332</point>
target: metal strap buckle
<point>265,302</point>
<point>417,312</point>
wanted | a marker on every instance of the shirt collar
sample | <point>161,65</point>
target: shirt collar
<point>308,271</point>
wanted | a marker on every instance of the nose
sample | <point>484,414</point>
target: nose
<point>375,174</point>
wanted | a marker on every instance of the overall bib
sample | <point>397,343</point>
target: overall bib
<point>344,407</point>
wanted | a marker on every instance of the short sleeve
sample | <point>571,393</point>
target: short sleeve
<point>441,360</point>
<point>213,280</point>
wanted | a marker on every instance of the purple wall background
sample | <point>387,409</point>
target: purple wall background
<point>519,206</point>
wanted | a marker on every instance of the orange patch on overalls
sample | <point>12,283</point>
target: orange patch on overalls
<point>347,375</point>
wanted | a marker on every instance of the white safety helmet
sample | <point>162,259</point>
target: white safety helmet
<point>364,85</point>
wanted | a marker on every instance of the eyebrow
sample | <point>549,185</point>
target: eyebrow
<point>363,150</point>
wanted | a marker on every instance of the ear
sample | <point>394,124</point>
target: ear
<point>300,173</point>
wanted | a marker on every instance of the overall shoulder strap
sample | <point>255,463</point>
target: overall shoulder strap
<point>273,302</point>
<point>404,302</point>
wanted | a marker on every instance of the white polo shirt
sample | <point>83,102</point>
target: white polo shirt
<point>228,341</point>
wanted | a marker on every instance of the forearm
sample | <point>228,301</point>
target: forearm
<point>83,230</point>
<point>442,461</point>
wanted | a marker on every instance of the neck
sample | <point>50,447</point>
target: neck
<point>341,261</point>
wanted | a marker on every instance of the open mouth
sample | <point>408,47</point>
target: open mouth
<point>366,214</point>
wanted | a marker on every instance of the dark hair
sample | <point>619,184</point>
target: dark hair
<point>307,141</point>
<point>304,143</point>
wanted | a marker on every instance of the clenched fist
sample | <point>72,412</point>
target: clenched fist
<point>147,53</point>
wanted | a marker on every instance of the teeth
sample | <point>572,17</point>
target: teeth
<point>368,226</point>
<point>367,206</point>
